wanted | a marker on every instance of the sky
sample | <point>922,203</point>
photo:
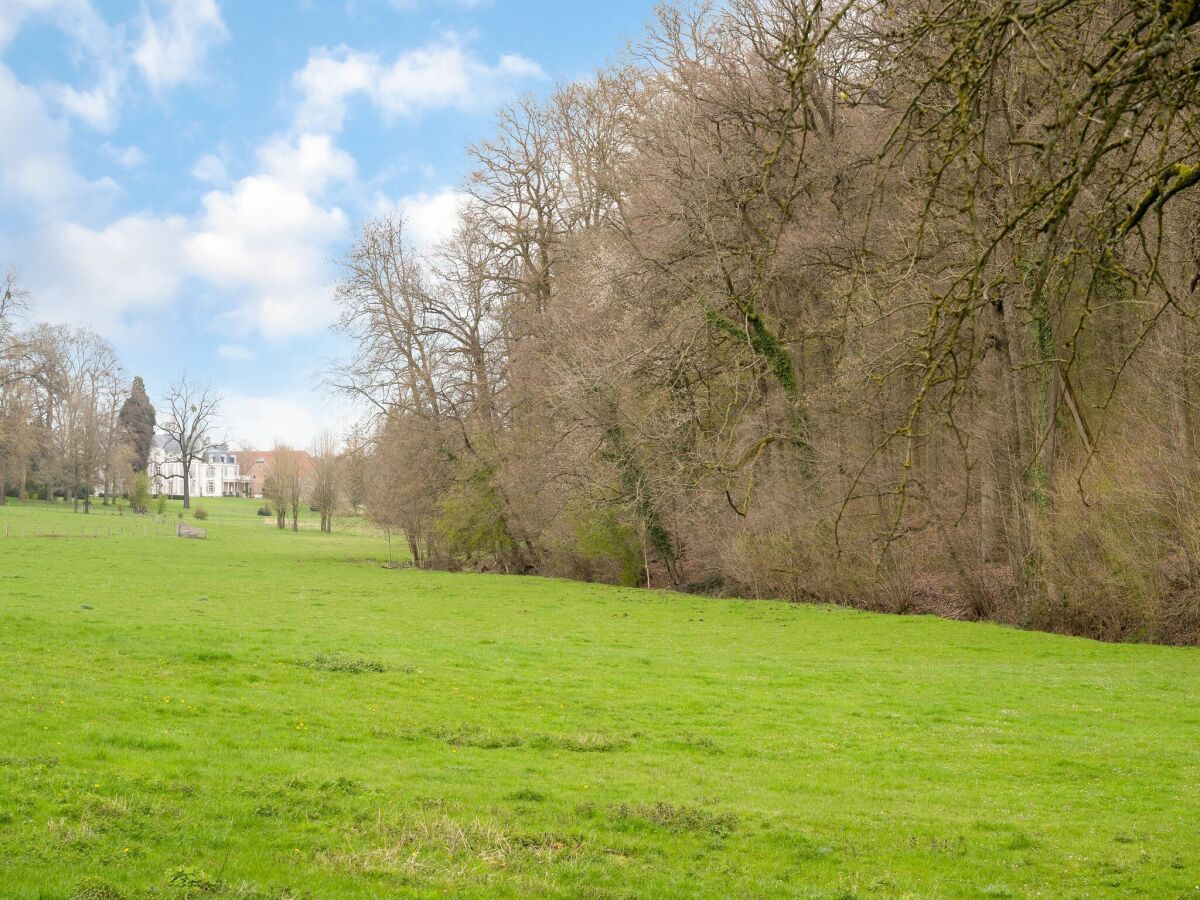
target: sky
<point>182,175</point>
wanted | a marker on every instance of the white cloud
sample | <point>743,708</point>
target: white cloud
<point>325,83</point>
<point>34,165</point>
<point>98,106</point>
<point>234,353</point>
<point>126,157</point>
<point>441,74</point>
<point>429,218</point>
<point>92,40</point>
<point>210,170</point>
<point>97,275</point>
<point>311,161</point>
<point>256,422</point>
<point>410,5</point>
<point>266,238</point>
<point>76,18</point>
<point>173,47</point>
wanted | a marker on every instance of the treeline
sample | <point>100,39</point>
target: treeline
<point>889,303</point>
<point>71,424</point>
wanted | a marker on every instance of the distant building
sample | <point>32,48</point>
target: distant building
<point>256,465</point>
<point>217,475</point>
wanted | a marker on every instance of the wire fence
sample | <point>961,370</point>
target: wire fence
<point>19,529</point>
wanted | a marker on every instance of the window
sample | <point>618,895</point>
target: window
<point>210,488</point>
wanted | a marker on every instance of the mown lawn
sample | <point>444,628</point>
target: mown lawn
<point>205,718</point>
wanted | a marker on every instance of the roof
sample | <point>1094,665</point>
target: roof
<point>249,458</point>
<point>171,446</point>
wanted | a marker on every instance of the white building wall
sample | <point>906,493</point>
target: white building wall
<point>211,477</point>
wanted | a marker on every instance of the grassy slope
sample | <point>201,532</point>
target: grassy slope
<point>538,736</point>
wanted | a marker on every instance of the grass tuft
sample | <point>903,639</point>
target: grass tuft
<point>94,888</point>
<point>584,742</point>
<point>342,662</point>
<point>474,736</point>
<point>189,881</point>
<point>526,795</point>
<point>675,818</point>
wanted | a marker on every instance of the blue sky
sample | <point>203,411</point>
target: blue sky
<point>178,174</point>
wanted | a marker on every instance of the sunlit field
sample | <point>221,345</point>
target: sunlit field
<point>269,714</point>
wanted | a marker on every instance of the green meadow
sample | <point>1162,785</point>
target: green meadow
<point>269,714</point>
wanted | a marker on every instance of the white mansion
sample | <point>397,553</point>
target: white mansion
<point>217,475</point>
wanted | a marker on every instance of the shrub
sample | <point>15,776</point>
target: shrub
<point>162,504</point>
<point>610,545</point>
<point>1119,564</point>
<point>472,523</point>
<point>200,513</point>
<point>265,510</point>
<point>139,494</point>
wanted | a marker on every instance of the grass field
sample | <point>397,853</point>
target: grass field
<point>268,714</point>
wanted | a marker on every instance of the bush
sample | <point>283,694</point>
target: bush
<point>472,522</point>
<point>139,494</point>
<point>265,510</point>
<point>1120,564</point>
<point>162,504</point>
<point>200,513</point>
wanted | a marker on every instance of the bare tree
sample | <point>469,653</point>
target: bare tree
<point>284,484</point>
<point>189,419</point>
<point>325,481</point>
<point>276,483</point>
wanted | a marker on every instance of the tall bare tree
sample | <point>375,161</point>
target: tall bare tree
<point>189,417</point>
<point>325,480</point>
<point>284,484</point>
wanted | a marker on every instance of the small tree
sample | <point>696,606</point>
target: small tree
<point>274,492</point>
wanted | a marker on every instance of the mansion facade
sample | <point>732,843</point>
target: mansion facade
<point>216,475</point>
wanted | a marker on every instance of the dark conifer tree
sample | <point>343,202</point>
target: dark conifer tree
<point>137,418</point>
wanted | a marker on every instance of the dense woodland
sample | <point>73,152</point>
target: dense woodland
<point>882,302</point>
